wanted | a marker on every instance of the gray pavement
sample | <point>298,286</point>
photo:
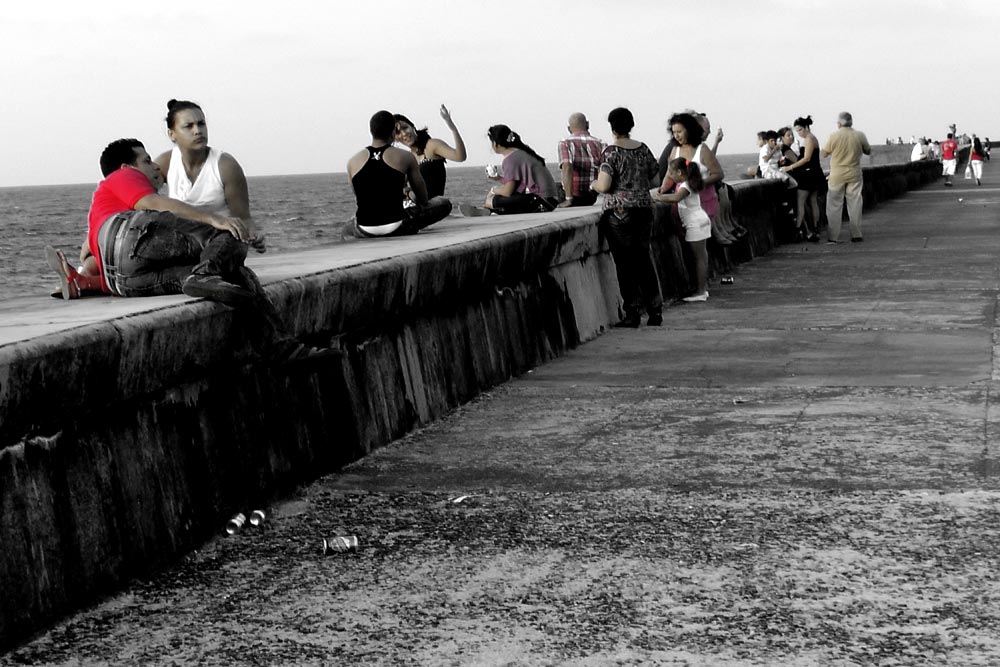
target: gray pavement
<point>802,470</point>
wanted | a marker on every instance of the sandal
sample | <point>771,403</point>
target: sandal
<point>68,286</point>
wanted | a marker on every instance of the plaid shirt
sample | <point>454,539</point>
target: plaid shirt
<point>583,153</point>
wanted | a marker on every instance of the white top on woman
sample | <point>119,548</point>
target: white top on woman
<point>207,192</point>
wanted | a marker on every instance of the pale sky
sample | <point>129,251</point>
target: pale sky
<point>288,87</point>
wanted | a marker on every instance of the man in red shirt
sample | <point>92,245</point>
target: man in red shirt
<point>146,244</point>
<point>949,158</point>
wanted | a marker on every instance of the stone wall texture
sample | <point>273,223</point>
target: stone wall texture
<point>127,443</point>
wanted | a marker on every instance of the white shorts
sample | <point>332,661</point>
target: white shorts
<point>698,230</point>
<point>948,167</point>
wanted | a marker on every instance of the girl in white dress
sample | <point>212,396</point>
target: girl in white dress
<point>697,225</point>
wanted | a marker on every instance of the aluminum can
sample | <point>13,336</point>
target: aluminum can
<point>236,523</point>
<point>257,518</point>
<point>339,544</point>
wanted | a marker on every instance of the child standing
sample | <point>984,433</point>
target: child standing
<point>697,225</point>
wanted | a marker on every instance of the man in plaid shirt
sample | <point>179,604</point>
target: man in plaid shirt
<point>579,161</point>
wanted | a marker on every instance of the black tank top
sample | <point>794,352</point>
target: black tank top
<point>434,176</point>
<point>379,190</point>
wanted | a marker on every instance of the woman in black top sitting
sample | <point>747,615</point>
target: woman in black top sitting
<point>430,152</point>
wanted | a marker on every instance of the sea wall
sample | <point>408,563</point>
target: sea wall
<point>126,442</point>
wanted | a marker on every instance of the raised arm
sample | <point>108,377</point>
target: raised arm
<point>438,148</point>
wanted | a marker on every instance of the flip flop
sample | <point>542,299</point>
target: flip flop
<point>68,285</point>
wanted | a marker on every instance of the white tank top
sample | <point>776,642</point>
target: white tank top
<point>207,192</point>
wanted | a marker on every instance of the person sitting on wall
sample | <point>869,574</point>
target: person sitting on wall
<point>378,174</point>
<point>579,161</point>
<point>145,244</point>
<point>527,186</point>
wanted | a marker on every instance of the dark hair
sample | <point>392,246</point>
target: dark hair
<point>771,134</point>
<point>621,120</point>
<point>695,133</point>
<point>423,136</point>
<point>782,131</point>
<point>382,125</point>
<point>505,137</point>
<point>803,122</point>
<point>691,170</point>
<point>175,106</point>
<point>117,153</point>
<point>977,145</point>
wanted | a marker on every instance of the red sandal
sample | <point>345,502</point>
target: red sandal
<point>69,286</point>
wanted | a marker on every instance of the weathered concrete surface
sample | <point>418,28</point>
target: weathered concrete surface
<point>121,477</point>
<point>802,470</point>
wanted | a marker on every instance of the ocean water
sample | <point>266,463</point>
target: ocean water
<point>295,212</point>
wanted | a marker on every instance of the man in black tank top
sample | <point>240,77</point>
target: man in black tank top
<point>378,175</point>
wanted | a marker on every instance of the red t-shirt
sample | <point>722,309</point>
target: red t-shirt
<point>948,148</point>
<point>118,192</point>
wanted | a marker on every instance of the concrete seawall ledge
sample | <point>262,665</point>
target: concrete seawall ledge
<point>131,429</point>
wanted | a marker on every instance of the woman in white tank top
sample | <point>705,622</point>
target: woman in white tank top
<point>198,174</point>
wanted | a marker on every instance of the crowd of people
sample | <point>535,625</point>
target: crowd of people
<point>194,240</point>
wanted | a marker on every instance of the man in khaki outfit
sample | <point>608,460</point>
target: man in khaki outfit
<point>844,148</point>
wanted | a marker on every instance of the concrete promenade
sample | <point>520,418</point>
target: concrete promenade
<point>804,470</point>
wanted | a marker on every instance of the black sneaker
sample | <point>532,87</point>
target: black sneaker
<point>214,288</point>
<point>655,320</point>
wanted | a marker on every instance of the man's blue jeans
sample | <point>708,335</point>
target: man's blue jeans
<point>150,253</point>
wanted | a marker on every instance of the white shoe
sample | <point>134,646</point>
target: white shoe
<point>697,297</point>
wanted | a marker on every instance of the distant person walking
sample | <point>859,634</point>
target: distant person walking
<point>949,159</point>
<point>378,175</point>
<point>579,162</point>
<point>976,159</point>
<point>845,148</point>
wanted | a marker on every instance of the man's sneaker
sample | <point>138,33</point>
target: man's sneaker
<point>214,288</point>
<point>655,320</point>
<point>697,297</point>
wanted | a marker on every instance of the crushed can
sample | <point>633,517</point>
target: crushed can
<point>339,544</point>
